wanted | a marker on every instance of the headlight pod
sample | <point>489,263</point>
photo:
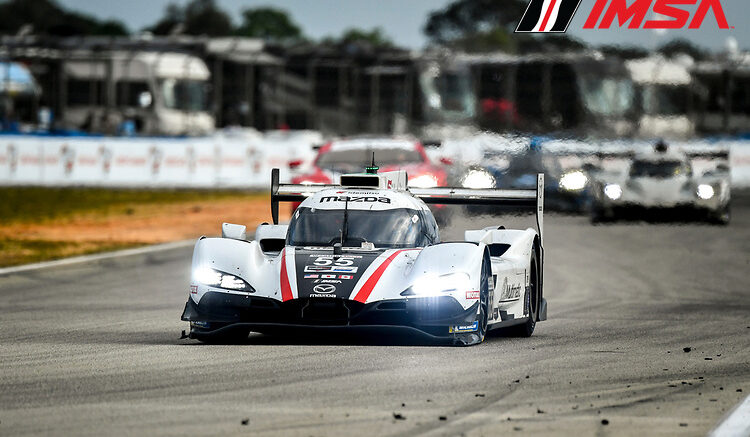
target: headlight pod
<point>215,278</point>
<point>573,181</point>
<point>478,179</point>
<point>613,191</point>
<point>705,191</point>
<point>424,181</point>
<point>434,285</point>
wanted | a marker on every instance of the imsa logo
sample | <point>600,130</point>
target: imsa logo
<point>548,16</point>
<point>636,12</point>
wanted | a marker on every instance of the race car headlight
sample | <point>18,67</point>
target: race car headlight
<point>705,191</point>
<point>478,179</point>
<point>424,181</point>
<point>573,181</point>
<point>434,285</point>
<point>215,278</point>
<point>613,191</point>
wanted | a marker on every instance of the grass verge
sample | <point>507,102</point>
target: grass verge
<point>39,224</point>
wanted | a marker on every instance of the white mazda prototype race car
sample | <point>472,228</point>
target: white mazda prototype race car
<point>366,255</point>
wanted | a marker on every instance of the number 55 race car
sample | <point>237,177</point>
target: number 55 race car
<point>366,255</point>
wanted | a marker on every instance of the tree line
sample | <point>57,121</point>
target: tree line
<point>467,25</point>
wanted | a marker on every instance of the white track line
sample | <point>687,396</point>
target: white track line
<point>97,257</point>
<point>736,424</point>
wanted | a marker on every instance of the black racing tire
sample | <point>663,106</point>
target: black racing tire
<point>599,215</point>
<point>534,299</point>
<point>484,296</point>
<point>228,336</point>
<point>722,217</point>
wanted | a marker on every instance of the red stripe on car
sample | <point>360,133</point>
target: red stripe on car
<point>366,289</point>
<point>286,289</point>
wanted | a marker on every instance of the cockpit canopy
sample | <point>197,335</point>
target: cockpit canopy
<point>659,169</point>
<point>386,228</point>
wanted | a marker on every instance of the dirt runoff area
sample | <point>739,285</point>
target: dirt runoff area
<point>43,224</point>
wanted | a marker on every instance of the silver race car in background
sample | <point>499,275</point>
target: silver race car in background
<point>366,255</point>
<point>664,184</point>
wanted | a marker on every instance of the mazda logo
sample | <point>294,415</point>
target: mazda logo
<point>324,288</point>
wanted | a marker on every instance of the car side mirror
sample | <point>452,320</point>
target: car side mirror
<point>235,232</point>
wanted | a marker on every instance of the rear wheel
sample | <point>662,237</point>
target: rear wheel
<point>532,300</point>
<point>484,297</point>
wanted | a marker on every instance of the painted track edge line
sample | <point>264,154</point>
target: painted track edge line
<point>97,257</point>
<point>736,423</point>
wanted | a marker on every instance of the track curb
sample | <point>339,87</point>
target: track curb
<point>96,257</point>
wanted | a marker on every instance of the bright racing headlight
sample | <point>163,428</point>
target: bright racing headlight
<point>613,191</point>
<point>477,179</point>
<point>573,181</point>
<point>434,285</point>
<point>705,191</point>
<point>424,181</point>
<point>215,278</point>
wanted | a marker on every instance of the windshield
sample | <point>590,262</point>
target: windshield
<point>608,96</point>
<point>184,95</point>
<point>665,100</point>
<point>353,160</point>
<point>393,228</point>
<point>663,169</point>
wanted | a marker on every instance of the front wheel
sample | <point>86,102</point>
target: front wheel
<point>721,217</point>
<point>479,326</point>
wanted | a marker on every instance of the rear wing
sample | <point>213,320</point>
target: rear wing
<point>521,199</point>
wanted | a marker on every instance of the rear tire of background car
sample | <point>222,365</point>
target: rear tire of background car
<point>534,298</point>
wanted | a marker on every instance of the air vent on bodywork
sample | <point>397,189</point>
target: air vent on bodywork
<point>360,181</point>
<point>272,244</point>
<point>498,249</point>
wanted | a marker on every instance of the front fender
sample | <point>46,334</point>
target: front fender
<point>240,258</point>
<point>444,259</point>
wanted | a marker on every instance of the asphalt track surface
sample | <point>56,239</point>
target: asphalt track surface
<point>94,349</point>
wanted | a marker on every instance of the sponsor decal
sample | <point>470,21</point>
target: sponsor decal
<point>464,328</point>
<point>326,281</point>
<point>548,16</point>
<point>472,294</point>
<point>328,276</point>
<point>193,289</point>
<point>199,324</point>
<point>346,276</point>
<point>330,269</point>
<point>509,291</point>
<point>312,276</point>
<point>555,15</point>
<point>355,199</point>
<point>324,288</point>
